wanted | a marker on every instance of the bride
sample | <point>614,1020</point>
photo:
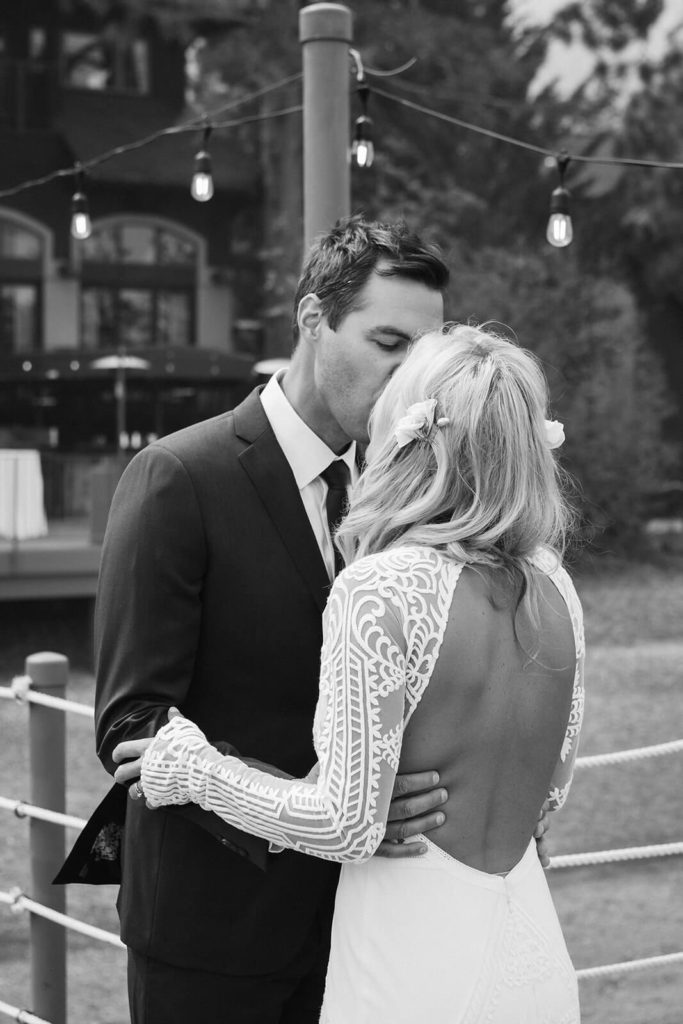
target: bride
<point>452,638</point>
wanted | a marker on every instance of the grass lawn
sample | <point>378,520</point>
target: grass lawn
<point>610,913</point>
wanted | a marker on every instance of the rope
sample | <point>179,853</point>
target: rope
<point>18,902</point>
<point>577,860</point>
<point>23,1016</point>
<point>658,750</point>
<point>21,691</point>
<point>629,966</point>
<point>24,810</point>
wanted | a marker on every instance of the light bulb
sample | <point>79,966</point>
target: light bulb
<point>81,226</point>
<point>202,182</point>
<point>364,152</point>
<point>363,149</point>
<point>560,231</point>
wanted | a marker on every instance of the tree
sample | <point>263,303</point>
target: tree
<point>630,219</point>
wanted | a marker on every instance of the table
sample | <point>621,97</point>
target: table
<point>22,509</point>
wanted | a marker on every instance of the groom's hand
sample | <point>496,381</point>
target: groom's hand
<point>414,809</point>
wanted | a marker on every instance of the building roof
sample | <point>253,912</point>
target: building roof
<point>93,123</point>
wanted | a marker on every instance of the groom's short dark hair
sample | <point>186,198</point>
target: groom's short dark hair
<point>339,264</point>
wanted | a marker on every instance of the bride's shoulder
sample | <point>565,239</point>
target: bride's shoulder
<point>408,564</point>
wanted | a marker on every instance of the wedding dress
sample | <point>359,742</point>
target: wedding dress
<point>413,939</point>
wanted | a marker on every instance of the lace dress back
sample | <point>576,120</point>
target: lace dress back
<point>462,938</point>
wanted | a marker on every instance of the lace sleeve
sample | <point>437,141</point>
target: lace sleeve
<point>341,813</point>
<point>564,770</point>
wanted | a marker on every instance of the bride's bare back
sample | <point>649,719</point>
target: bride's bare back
<point>492,721</point>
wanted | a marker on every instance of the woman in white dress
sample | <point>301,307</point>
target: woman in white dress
<point>452,638</point>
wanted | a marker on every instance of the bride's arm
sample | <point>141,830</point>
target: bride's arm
<point>340,815</point>
<point>564,770</point>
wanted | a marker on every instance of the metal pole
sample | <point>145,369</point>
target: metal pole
<point>120,397</point>
<point>48,673</point>
<point>325,33</point>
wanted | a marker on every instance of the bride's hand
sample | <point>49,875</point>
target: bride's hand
<point>131,752</point>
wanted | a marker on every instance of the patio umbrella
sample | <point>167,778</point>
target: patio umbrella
<point>119,363</point>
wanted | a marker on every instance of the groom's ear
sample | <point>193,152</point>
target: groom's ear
<point>309,318</point>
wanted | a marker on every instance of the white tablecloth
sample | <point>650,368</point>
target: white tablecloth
<point>22,510</point>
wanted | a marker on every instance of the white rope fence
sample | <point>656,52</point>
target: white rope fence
<point>23,1016</point>
<point>579,860</point>
<point>18,902</point>
<point>21,691</point>
<point>630,966</point>
<point>637,754</point>
<point>25,810</point>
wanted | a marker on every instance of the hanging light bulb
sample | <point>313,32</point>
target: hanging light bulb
<point>202,181</point>
<point>363,148</point>
<point>81,225</point>
<point>560,231</point>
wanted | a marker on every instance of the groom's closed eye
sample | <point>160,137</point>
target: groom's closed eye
<point>389,340</point>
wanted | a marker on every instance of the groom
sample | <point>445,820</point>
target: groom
<point>216,566</point>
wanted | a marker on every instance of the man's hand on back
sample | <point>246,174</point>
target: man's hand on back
<point>414,809</point>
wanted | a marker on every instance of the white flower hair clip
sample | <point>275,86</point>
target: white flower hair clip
<point>554,433</point>
<point>418,422</point>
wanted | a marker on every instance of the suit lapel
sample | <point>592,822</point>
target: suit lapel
<point>272,478</point>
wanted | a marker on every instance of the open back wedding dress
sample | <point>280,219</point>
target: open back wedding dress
<point>414,939</point>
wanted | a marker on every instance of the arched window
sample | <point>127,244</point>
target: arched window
<point>138,285</point>
<point>22,252</point>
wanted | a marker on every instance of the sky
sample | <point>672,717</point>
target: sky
<point>570,65</point>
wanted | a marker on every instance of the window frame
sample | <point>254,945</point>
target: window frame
<point>115,89</point>
<point>153,277</point>
<point>31,271</point>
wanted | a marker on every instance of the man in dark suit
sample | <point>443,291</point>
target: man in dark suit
<point>216,566</point>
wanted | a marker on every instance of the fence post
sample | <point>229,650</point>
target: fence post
<point>47,730</point>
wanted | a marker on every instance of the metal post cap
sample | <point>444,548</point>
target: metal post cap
<point>325,21</point>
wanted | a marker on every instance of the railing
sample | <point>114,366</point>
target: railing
<point>43,689</point>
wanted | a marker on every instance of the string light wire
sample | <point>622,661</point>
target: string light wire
<point>530,146</point>
<point>193,124</point>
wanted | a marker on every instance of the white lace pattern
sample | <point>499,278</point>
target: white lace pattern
<point>383,627</point>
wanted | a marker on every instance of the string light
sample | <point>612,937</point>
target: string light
<point>191,125</point>
<point>363,148</point>
<point>202,181</point>
<point>560,231</point>
<point>81,225</point>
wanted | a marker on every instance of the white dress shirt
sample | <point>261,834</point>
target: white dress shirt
<point>307,456</point>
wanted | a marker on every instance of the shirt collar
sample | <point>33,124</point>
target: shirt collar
<point>305,452</point>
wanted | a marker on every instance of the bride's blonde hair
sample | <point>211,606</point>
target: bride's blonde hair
<point>485,487</point>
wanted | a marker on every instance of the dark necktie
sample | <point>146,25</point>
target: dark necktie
<point>336,476</point>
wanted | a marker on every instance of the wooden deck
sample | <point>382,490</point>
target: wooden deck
<point>65,563</point>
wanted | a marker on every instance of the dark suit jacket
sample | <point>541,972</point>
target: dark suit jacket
<point>210,598</point>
